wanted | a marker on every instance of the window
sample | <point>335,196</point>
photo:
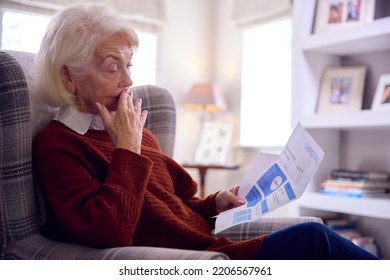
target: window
<point>266,84</point>
<point>145,60</point>
<point>24,32</point>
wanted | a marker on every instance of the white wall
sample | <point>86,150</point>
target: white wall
<point>200,43</point>
<point>184,58</point>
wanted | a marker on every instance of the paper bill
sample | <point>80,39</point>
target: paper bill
<point>275,180</point>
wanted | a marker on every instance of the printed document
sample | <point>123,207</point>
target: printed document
<point>275,180</point>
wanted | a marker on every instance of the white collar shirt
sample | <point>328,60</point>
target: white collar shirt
<point>78,121</point>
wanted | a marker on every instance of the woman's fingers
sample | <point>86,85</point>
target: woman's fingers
<point>143,117</point>
<point>126,124</point>
<point>125,100</point>
<point>234,190</point>
<point>129,99</point>
<point>105,115</point>
<point>137,105</point>
<point>127,96</point>
<point>232,199</point>
<point>228,199</point>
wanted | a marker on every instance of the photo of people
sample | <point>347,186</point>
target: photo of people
<point>381,99</point>
<point>340,92</point>
<point>353,10</point>
<point>335,12</point>
<point>332,14</point>
<point>386,94</point>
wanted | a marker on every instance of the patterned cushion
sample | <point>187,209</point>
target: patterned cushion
<point>17,207</point>
<point>264,225</point>
<point>37,247</point>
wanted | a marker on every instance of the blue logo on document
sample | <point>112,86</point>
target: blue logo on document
<point>272,179</point>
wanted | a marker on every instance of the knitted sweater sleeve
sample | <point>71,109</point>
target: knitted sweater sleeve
<point>99,209</point>
<point>204,207</point>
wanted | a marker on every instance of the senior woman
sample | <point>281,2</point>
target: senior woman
<point>105,179</point>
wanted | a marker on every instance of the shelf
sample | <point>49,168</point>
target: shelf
<point>356,139</point>
<point>369,207</point>
<point>364,119</point>
<point>359,39</point>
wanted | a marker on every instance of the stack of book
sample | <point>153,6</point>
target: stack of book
<point>355,183</point>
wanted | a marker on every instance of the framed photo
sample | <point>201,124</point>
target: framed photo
<point>333,14</point>
<point>214,142</point>
<point>382,95</point>
<point>341,89</point>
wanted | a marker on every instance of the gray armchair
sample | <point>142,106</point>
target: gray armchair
<point>21,207</point>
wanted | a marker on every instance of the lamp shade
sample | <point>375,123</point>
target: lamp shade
<point>204,97</point>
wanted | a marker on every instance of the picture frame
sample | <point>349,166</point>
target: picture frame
<point>214,142</point>
<point>341,89</point>
<point>381,99</point>
<point>335,14</point>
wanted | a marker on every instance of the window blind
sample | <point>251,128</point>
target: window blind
<point>250,12</point>
<point>145,15</point>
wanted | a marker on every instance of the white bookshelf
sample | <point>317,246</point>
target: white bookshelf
<point>355,140</point>
<point>373,36</point>
<point>363,120</point>
<point>369,207</point>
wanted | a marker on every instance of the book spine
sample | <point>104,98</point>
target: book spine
<point>347,194</point>
<point>356,183</point>
<point>360,175</point>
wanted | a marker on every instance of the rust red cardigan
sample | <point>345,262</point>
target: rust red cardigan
<point>105,197</point>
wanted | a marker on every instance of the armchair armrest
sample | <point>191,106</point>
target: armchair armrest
<point>39,247</point>
<point>264,225</point>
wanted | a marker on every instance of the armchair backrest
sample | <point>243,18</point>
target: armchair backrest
<point>21,116</point>
<point>18,215</point>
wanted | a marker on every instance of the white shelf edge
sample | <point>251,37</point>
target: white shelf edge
<point>345,41</point>
<point>369,207</point>
<point>364,119</point>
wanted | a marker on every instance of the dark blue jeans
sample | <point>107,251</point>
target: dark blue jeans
<point>309,241</point>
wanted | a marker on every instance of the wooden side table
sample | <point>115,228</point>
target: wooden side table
<point>202,169</point>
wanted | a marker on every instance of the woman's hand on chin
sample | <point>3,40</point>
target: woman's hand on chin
<point>125,125</point>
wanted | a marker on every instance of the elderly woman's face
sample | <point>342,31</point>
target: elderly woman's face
<point>108,76</point>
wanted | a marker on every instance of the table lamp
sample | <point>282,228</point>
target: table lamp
<point>215,136</point>
<point>204,97</point>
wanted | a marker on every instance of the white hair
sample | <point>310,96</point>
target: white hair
<point>70,40</point>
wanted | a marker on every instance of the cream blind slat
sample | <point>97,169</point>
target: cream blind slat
<point>146,15</point>
<point>250,12</point>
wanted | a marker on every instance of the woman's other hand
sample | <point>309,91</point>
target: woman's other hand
<point>228,199</point>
